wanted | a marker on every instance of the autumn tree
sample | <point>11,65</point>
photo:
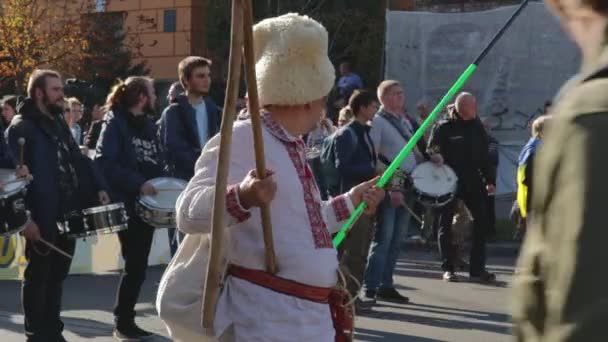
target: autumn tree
<point>40,33</point>
<point>112,51</point>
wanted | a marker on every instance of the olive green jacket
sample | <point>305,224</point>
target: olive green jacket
<point>561,290</point>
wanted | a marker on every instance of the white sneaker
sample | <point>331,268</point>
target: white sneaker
<point>450,277</point>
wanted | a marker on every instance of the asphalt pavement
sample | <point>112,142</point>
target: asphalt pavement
<point>439,311</point>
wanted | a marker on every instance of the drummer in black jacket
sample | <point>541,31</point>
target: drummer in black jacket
<point>63,181</point>
<point>461,142</point>
<point>129,156</point>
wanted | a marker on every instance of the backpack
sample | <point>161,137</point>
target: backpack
<point>330,172</point>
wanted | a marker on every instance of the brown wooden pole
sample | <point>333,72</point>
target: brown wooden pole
<point>214,266</point>
<point>256,125</point>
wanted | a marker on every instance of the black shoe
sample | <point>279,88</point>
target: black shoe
<point>484,278</point>
<point>363,307</point>
<point>130,333</point>
<point>391,295</point>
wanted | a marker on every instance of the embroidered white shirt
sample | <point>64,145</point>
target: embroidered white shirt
<point>302,227</point>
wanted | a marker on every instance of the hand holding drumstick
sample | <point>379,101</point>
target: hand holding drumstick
<point>147,189</point>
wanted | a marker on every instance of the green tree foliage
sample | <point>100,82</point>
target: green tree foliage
<point>356,29</point>
<point>112,51</point>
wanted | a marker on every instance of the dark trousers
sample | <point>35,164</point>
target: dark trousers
<point>175,238</point>
<point>135,244</point>
<point>476,203</point>
<point>491,215</point>
<point>42,288</point>
<point>353,252</point>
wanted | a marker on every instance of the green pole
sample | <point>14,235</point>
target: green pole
<point>388,174</point>
<point>390,171</point>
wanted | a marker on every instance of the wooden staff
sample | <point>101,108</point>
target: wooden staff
<point>258,142</point>
<point>214,266</point>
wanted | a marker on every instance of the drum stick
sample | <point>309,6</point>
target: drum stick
<point>411,211</point>
<point>256,125</point>
<point>455,88</point>
<point>21,143</point>
<point>214,270</point>
<point>53,247</point>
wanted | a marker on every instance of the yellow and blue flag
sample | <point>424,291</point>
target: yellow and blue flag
<point>522,188</point>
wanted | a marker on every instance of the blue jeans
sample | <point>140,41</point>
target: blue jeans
<point>384,250</point>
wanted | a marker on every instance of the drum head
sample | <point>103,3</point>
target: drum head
<point>7,175</point>
<point>434,180</point>
<point>168,189</point>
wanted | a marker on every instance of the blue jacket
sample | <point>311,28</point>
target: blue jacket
<point>178,133</point>
<point>40,156</point>
<point>117,158</point>
<point>355,155</point>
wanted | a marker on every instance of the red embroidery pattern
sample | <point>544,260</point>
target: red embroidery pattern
<point>295,149</point>
<point>233,206</point>
<point>340,208</point>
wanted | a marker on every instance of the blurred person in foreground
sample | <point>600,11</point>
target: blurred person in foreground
<point>560,292</point>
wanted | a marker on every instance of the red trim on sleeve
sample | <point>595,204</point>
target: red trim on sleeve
<point>233,205</point>
<point>340,208</point>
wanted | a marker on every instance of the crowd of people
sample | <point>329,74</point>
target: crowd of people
<point>122,149</point>
<point>317,174</point>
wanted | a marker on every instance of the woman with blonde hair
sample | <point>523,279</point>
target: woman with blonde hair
<point>346,115</point>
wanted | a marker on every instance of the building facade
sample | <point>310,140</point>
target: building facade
<point>166,30</point>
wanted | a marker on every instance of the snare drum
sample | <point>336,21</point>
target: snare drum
<point>13,215</point>
<point>434,186</point>
<point>105,219</point>
<point>159,210</point>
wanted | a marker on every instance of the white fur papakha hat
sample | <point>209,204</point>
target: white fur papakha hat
<point>292,66</point>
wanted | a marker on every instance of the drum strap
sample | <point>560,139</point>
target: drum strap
<point>403,131</point>
<point>397,125</point>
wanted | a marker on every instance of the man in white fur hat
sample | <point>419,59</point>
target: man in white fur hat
<point>294,75</point>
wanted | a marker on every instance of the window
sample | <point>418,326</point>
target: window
<point>100,5</point>
<point>170,18</point>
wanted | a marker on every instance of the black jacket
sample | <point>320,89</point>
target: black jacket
<point>90,141</point>
<point>40,156</point>
<point>117,157</point>
<point>6,156</point>
<point>179,138</point>
<point>464,146</point>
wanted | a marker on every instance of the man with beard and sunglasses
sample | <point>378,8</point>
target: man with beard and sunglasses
<point>62,175</point>
<point>129,156</point>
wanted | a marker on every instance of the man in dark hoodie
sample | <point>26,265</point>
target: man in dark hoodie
<point>130,157</point>
<point>64,180</point>
<point>189,122</point>
<point>462,143</point>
